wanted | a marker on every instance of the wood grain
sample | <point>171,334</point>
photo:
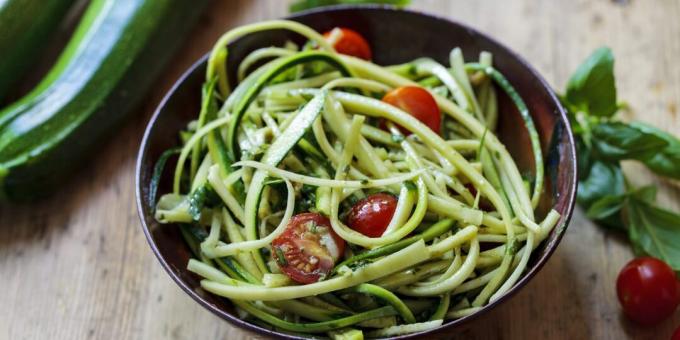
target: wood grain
<point>76,266</point>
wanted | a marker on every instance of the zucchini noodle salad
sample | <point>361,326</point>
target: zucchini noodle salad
<point>325,195</point>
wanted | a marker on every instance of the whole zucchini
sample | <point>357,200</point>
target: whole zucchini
<point>24,25</point>
<point>113,58</point>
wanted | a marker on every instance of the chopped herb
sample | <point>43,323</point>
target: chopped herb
<point>358,264</point>
<point>307,201</point>
<point>397,138</point>
<point>312,227</point>
<point>280,258</point>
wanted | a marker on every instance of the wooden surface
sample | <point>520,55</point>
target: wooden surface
<point>77,265</point>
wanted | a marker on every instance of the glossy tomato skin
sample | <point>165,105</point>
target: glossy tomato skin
<point>648,290</point>
<point>371,215</point>
<point>349,42</point>
<point>419,103</point>
<point>676,334</point>
<point>308,249</point>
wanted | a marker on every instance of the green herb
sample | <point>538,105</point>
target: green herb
<point>397,138</point>
<point>591,88</point>
<point>606,207</point>
<point>302,5</point>
<point>603,179</point>
<point>280,258</point>
<point>358,264</point>
<point>602,143</point>
<point>666,161</point>
<point>619,141</point>
<point>653,230</point>
<point>307,201</point>
<point>312,227</point>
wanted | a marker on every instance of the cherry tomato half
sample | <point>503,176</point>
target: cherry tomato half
<point>648,290</point>
<point>349,42</point>
<point>676,334</point>
<point>307,250</point>
<point>418,102</point>
<point>371,215</point>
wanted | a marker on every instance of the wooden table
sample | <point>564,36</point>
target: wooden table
<point>77,265</point>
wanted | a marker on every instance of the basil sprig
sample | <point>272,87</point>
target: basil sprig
<point>603,142</point>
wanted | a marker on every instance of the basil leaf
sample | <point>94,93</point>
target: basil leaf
<point>645,194</point>
<point>606,207</point>
<point>654,231</point>
<point>604,179</point>
<point>666,161</point>
<point>618,141</point>
<point>591,88</point>
<point>302,5</point>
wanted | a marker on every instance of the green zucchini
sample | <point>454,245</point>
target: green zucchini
<point>442,307</point>
<point>119,48</point>
<point>347,334</point>
<point>284,64</point>
<point>24,24</point>
<point>387,297</point>
<point>274,155</point>
<point>315,327</point>
<point>433,231</point>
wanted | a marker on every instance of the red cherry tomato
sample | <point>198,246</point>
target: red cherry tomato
<point>349,42</point>
<point>307,250</point>
<point>648,290</point>
<point>373,214</point>
<point>676,334</point>
<point>418,102</point>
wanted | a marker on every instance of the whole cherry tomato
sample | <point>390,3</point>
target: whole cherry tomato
<point>371,215</point>
<point>648,290</point>
<point>349,42</point>
<point>308,249</point>
<point>419,103</point>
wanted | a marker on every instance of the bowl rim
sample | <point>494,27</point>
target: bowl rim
<point>550,247</point>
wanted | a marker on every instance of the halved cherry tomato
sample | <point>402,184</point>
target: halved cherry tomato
<point>349,42</point>
<point>419,103</point>
<point>371,215</point>
<point>648,290</point>
<point>307,250</point>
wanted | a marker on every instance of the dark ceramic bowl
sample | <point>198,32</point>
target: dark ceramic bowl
<point>395,36</point>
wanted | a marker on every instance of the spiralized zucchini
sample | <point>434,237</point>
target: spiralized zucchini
<point>303,131</point>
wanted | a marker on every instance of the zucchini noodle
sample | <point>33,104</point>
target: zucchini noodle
<point>266,184</point>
